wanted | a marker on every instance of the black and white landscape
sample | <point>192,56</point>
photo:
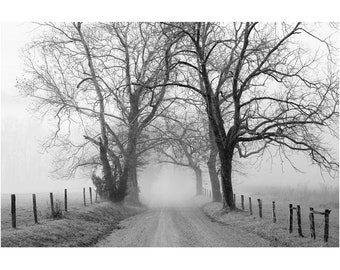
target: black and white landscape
<point>170,134</point>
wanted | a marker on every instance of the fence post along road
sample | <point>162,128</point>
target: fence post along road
<point>298,211</point>
<point>35,214</point>
<point>121,97</point>
<point>51,206</point>
<point>326,222</point>
<point>13,211</point>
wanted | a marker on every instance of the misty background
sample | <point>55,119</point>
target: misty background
<point>26,168</point>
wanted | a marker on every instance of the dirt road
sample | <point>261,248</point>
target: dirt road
<point>178,227</point>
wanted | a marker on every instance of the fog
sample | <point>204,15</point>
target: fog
<point>166,184</point>
<point>25,168</point>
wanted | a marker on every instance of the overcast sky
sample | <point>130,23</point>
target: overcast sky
<point>24,168</point>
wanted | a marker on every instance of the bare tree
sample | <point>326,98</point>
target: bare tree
<point>184,143</point>
<point>262,90</point>
<point>100,74</point>
<point>262,73</point>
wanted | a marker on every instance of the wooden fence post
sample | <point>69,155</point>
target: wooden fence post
<point>96,199</point>
<point>35,209</point>
<point>260,207</point>
<point>242,202</point>
<point>65,199</point>
<point>290,218</point>
<point>325,236</point>
<point>52,205</point>
<point>274,213</point>
<point>90,190</point>
<point>13,211</point>
<point>298,213</point>
<point>84,197</point>
<point>250,206</point>
<point>312,224</point>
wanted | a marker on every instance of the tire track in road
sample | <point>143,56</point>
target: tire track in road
<point>178,227</point>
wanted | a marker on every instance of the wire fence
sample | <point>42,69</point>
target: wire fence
<point>20,210</point>
<point>303,220</point>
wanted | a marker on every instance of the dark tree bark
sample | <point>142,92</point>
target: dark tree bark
<point>215,182</point>
<point>133,189</point>
<point>224,142</point>
<point>226,170</point>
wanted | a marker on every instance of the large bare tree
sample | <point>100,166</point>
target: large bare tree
<point>278,92</point>
<point>98,75</point>
<point>262,89</point>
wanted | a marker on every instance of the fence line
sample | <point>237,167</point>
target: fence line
<point>54,208</point>
<point>65,199</point>
<point>35,213</point>
<point>13,211</point>
<point>274,213</point>
<point>291,209</point>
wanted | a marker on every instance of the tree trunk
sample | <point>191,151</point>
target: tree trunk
<point>223,141</point>
<point>226,180</point>
<point>131,158</point>
<point>120,193</point>
<point>225,150</point>
<point>132,184</point>
<point>198,173</point>
<point>215,183</point>
<point>107,171</point>
<point>103,143</point>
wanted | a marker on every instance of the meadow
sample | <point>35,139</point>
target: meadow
<point>24,207</point>
<point>319,199</point>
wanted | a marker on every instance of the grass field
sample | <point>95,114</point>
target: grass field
<point>318,199</point>
<point>78,228</point>
<point>24,207</point>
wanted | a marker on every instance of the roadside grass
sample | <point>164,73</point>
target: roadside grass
<point>277,233</point>
<point>320,199</point>
<point>80,228</point>
<point>24,207</point>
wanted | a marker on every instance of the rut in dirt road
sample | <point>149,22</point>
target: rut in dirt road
<point>178,227</point>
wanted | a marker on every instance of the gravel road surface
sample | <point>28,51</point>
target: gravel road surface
<point>178,227</point>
